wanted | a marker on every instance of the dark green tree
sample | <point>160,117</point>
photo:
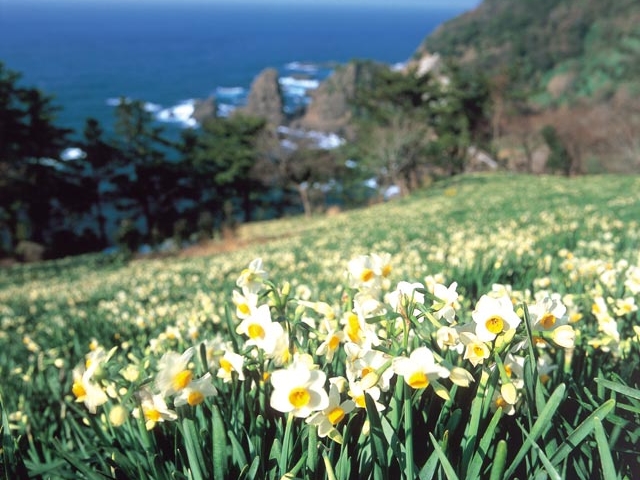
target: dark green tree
<point>32,176</point>
<point>224,155</point>
<point>148,182</point>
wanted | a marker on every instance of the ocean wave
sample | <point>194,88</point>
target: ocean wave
<point>181,113</point>
<point>302,67</point>
<point>230,92</point>
<point>303,83</point>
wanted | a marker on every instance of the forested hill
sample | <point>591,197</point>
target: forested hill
<point>556,51</point>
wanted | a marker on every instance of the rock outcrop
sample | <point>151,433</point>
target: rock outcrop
<point>204,109</point>
<point>265,98</point>
<point>330,108</point>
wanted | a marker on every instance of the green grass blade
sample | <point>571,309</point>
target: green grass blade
<point>428,470</point>
<point>581,432</point>
<point>446,464</point>
<point>237,452</point>
<point>483,447</point>
<point>194,451</point>
<point>378,441</point>
<point>219,444</point>
<point>499,461</point>
<point>618,387</point>
<point>606,461</point>
<point>312,449</point>
<point>550,469</point>
<point>541,424</point>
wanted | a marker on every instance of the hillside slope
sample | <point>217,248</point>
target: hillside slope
<point>572,65</point>
<point>593,44</point>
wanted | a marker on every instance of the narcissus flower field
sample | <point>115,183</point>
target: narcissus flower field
<point>486,327</point>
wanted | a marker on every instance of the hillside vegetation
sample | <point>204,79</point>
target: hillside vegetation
<point>569,65</point>
<point>594,45</point>
<point>528,238</point>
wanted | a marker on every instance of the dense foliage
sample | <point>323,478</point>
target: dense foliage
<point>141,186</point>
<point>176,357</point>
<point>595,42</point>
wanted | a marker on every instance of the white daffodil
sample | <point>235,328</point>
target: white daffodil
<point>299,390</point>
<point>230,362</point>
<point>493,316</point>
<point>334,413</point>
<point>476,351</point>
<point>85,390</point>
<point>251,279</point>
<point>419,369</point>
<point>447,301</point>
<point>548,313</point>
<point>154,409</point>
<point>246,304</point>
<point>261,330</point>
<point>195,393</point>
<point>363,362</point>
<point>405,297</point>
<point>173,372</point>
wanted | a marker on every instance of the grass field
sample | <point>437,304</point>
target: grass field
<point>485,327</point>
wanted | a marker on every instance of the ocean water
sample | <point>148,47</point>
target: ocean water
<point>88,55</point>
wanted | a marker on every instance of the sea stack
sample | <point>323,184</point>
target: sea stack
<point>265,98</point>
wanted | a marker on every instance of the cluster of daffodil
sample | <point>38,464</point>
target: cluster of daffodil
<point>318,361</point>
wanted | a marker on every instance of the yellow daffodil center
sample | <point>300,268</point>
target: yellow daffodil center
<point>255,331</point>
<point>366,275</point>
<point>182,379</point>
<point>360,401</point>
<point>478,351</point>
<point>501,402</point>
<point>365,371</point>
<point>418,380</point>
<point>495,324</point>
<point>226,365</point>
<point>335,415</point>
<point>548,320</point>
<point>386,270</point>
<point>152,414</point>
<point>353,328</point>
<point>334,341</point>
<point>508,370</point>
<point>195,398</point>
<point>78,390</point>
<point>299,397</point>
<point>574,317</point>
<point>244,308</point>
<point>544,378</point>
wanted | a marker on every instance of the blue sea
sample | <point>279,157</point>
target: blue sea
<point>88,55</point>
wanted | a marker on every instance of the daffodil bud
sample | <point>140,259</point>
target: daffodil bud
<point>509,393</point>
<point>564,336</point>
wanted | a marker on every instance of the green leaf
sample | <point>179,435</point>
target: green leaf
<point>618,387</point>
<point>446,465</point>
<point>483,447</point>
<point>237,452</point>
<point>606,461</point>
<point>499,461</point>
<point>219,444</point>
<point>428,470</point>
<point>194,450</point>
<point>543,423</point>
<point>312,449</point>
<point>581,432</point>
<point>378,442</point>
